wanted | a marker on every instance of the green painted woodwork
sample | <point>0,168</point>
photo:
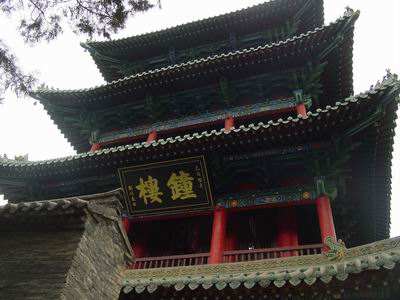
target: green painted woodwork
<point>238,112</point>
<point>299,52</point>
<point>126,68</point>
<point>273,196</point>
<point>365,202</point>
<point>228,93</point>
<point>260,24</point>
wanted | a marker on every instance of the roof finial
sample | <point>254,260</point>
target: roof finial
<point>389,76</point>
<point>349,11</point>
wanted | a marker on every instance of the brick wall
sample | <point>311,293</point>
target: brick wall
<point>74,253</point>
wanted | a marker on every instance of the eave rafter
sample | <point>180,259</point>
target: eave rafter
<point>296,126</point>
<point>107,54</point>
<point>275,273</point>
<point>137,86</point>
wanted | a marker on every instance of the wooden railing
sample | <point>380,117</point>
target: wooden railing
<point>229,256</point>
<point>171,261</point>
<point>268,253</point>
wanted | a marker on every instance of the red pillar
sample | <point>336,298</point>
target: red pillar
<point>301,109</point>
<point>325,218</point>
<point>152,136</point>
<point>218,236</point>
<point>126,223</point>
<point>287,229</point>
<point>95,147</point>
<point>229,123</point>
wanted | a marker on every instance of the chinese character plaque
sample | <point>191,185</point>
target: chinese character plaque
<point>166,187</point>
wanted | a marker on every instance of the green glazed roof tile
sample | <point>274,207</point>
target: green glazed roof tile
<point>348,19</point>
<point>292,270</point>
<point>101,96</point>
<point>390,83</point>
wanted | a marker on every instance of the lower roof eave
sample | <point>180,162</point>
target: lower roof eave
<point>275,273</point>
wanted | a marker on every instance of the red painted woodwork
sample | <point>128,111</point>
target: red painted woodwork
<point>228,256</point>
<point>270,253</point>
<point>95,147</point>
<point>152,136</point>
<point>245,186</point>
<point>217,246</point>
<point>231,242</point>
<point>325,218</point>
<point>138,249</point>
<point>140,219</point>
<point>287,229</point>
<point>171,261</point>
<point>126,223</point>
<point>229,123</point>
<point>301,109</point>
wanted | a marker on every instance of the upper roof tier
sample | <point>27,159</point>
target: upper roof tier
<point>264,23</point>
<point>328,47</point>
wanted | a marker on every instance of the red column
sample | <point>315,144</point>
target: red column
<point>126,223</point>
<point>152,136</point>
<point>325,218</point>
<point>287,229</point>
<point>301,109</point>
<point>218,236</point>
<point>229,123</point>
<point>95,147</point>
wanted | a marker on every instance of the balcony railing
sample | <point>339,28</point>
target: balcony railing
<point>268,253</point>
<point>171,261</point>
<point>229,256</point>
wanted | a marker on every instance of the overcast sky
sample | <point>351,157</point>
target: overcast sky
<point>26,128</point>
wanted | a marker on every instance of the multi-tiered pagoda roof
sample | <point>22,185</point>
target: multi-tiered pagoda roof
<point>265,94</point>
<point>124,100</point>
<point>276,20</point>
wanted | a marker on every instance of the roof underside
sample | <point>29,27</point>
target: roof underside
<point>315,46</point>
<point>369,101</point>
<point>258,17</point>
<point>367,119</point>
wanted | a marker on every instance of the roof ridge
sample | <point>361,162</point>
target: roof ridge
<point>43,205</point>
<point>390,79</point>
<point>87,44</point>
<point>349,14</point>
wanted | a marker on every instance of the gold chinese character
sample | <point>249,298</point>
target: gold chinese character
<point>149,190</point>
<point>181,185</point>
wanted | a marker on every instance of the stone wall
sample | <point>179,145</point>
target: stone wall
<point>98,263</point>
<point>62,249</point>
<point>34,264</point>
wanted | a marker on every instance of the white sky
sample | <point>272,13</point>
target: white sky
<point>25,128</point>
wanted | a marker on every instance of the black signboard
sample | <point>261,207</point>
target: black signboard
<point>166,187</point>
